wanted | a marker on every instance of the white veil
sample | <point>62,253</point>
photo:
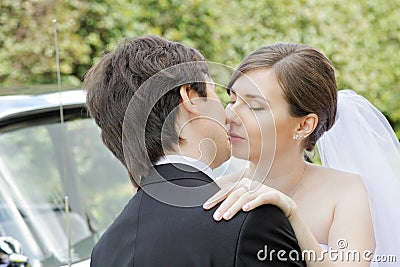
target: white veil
<point>363,142</point>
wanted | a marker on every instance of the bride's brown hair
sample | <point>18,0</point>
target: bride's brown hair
<point>307,78</point>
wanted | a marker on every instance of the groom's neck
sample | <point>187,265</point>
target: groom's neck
<point>195,151</point>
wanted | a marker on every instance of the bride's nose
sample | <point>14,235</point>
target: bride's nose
<point>231,115</point>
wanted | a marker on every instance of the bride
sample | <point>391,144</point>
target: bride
<point>283,100</point>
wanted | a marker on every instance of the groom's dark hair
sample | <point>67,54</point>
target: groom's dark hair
<point>113,81</point>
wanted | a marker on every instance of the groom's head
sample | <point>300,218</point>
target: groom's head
<point>169,80</point>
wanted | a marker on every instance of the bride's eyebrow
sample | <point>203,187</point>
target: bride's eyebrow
<point>257,97</point>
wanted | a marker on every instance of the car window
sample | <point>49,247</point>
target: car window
<point>42,163</point>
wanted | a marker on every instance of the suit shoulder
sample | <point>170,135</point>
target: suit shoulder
<point>267,213</point>
<point>266,228</point>
<point>119,238</point>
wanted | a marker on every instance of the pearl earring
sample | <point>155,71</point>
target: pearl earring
<point>296,136</point>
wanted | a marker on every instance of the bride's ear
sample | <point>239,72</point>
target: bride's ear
<point>307,125</point>
<point>187,101</point>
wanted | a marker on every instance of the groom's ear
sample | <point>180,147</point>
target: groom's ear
<point>307,125</point>
<point>187,100</point>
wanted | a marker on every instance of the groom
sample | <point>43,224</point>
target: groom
<point>160,116</point>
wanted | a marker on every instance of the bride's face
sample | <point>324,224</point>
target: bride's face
<point>258,118</point>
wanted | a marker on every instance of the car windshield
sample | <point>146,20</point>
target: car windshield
<point>40,163</point>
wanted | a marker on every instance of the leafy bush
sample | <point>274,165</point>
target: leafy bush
<point>362,38</point>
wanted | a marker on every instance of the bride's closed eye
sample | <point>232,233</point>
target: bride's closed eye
<point>255,107</point>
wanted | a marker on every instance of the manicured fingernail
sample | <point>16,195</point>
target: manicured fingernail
<point>246,207</point>
<point>217,216</point>
<point>206,205</point>
<point>227,215</point>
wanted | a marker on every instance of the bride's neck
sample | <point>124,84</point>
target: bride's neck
<point>281,174</point>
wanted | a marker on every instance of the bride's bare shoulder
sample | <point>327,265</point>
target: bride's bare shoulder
<point>338,180</point>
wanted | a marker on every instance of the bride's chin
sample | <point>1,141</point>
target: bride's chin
<point>240,154</point>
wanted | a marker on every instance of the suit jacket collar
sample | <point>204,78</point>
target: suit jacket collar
<point>172,172</point>
<point>179,185</point>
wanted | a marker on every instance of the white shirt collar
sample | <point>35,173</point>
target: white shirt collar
<point>195,163</point>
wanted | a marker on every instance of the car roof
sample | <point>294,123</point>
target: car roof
<point>22,105</point>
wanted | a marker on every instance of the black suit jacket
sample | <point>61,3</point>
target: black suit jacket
<point>149,232</point>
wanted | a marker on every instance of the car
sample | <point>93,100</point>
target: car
<point>51,149</point>
<point>46,156</point>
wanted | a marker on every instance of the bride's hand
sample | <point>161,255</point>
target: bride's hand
<point>238,196</point>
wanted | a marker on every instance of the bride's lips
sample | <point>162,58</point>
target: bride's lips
<point>234,138</point>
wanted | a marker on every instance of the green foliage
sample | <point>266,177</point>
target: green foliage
<point>362,38</point>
